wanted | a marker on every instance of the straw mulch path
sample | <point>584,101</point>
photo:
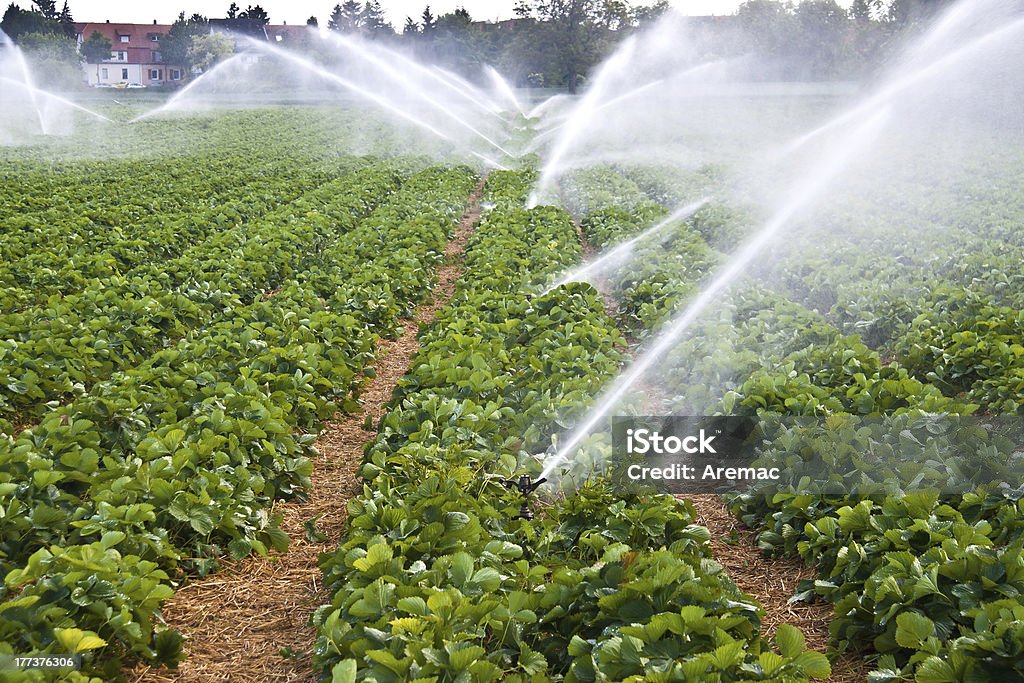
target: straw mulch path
<point>772,581</point>
<point>249,621</point>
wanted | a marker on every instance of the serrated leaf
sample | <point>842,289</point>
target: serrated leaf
<point>790,640</point>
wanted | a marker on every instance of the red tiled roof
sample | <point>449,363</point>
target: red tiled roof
<point>138,34</point>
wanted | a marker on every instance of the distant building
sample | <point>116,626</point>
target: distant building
<point>252,28</point>
<point>284,34</point>
<point>135,58</point>
<point>499,25</point>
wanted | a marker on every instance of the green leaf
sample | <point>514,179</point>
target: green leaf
<point>912,629</point>
<point>462,655</point>
<point>579,647</point>
<point>202,520</point>
<point>531,662</point>
<point>462,568</point>
<point>344,672</point>
<point>935,670</point>
<point>74,641</point>
<point>814,664</point>
<point>487,578</point>
<point>790,640</point>
<point>414,605</point>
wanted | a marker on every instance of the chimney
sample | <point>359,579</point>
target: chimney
<point>154,22</point>
<point>108,21</point>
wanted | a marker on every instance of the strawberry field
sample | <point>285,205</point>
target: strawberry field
<point>196,336</point>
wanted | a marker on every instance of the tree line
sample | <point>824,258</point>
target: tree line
<point>548,43</point>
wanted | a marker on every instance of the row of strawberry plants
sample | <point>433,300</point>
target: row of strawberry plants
<point>164,467</point>
<point>63,348</point>
<point>928,582</point>
<point>958,552</point>
<point>436,578</point>
<point>664,268</point>
<point>75,240</point>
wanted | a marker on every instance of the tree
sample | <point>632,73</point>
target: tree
<point>208,50</point>
<point>817,42</point>
<point>455,44</point>
<point>233,11</point>
<point>95,49</point>
<point>67,22</point>
<point>570,36</point>
<point>18,22</point>
<point>372,20</point>
<point>346,17</point>
<point>312,21</point>
<point>648,14</point>
<point>54,58</point>
<point>429,20</point>
<point>860,10</point>
<point>255,14</point>
<point>411,28</point>
<point>48,8</point>
<point>175,45</point>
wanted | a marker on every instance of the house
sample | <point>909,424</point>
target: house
<point>135,57</point>
<point>283,34</point>
<point>252,28</point>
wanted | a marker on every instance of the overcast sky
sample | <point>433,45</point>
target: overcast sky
<point>297,11</point>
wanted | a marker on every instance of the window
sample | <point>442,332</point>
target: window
<point>119,56</point>
<point>157,57</point>
<point>104,74</point>
<point>156,74</point>
<point>175,74</point>
<point>124,74</point>
<point>154,37</point>
<point>126,39</point>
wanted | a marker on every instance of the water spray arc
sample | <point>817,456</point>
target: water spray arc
<point>173,102</point>
<point>55,98</point>
<point>581,117</point>
<point>898,86</point>
<point>613,256</point>
<point>382,100</point>
<point>410,86</point>
<point>806,190</point>
<point>504,89</point>
<point>465,89</point>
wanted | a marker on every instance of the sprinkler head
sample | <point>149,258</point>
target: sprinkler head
<point>526,486</point>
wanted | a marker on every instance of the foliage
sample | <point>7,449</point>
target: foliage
<point>173,459</point>
<point>367,19</point>
<point>53,58</point>
<point>41,19</point>
<point>206,51</point>
<point>927,581</point>
<point>435,578</point>
<point>176,44</point>
<point>95,49</point>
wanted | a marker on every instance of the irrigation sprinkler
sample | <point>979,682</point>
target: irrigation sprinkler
<point>526,486</point>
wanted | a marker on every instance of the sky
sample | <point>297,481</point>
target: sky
<point>297,11</point>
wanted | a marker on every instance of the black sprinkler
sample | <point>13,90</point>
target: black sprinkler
<point>526,486</point>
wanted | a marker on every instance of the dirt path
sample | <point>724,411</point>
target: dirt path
<point>772,581</point>
<point>249,621</point>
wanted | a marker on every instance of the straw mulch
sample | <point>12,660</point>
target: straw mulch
<point>772,581</point>
<point>249,621</point>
